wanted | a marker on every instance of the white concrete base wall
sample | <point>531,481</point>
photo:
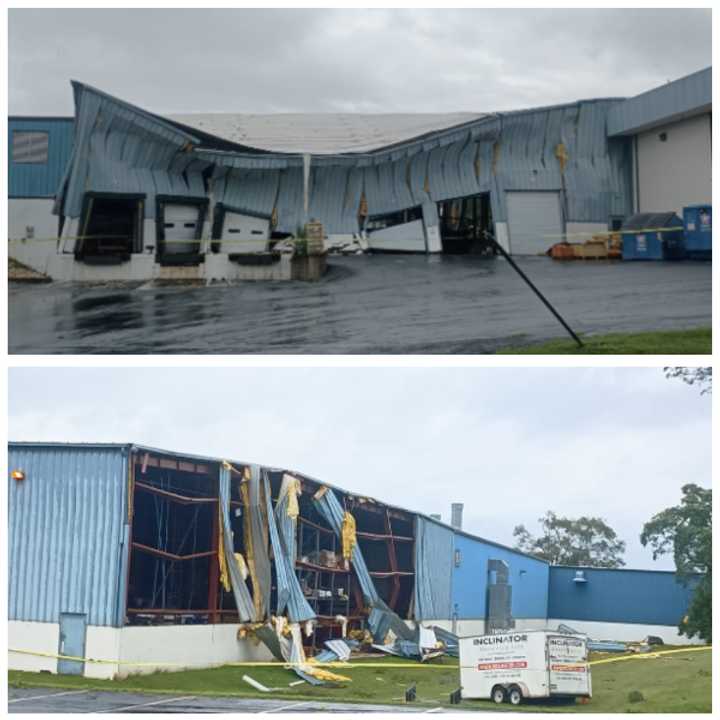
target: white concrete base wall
<point>408,237</point>
<point>36,637</point>
<point>168,648</point>
<point>32,231</point>
<point>626,632</point>
<point>502,237</point>
<point>178,647</point>
<point>32,218</point>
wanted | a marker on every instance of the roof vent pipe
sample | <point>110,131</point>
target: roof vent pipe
<point>456,511</point>
<point>436,516</point>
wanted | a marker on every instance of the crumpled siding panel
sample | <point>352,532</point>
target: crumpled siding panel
<point>335,197</point>
<point>112,155</point>
<point>290,201</point>
<point>289,592</point>
<point>66,534</point>
<point>241,593</point>
<point>252,190</point>
<point>434,547</point>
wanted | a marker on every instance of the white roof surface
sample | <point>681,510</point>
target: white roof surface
<point>326,133</point>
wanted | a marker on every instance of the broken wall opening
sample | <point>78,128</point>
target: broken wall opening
<point>463,222</point>
<point>174,575</point>
<point>173,571</point>
<point>111,228</point>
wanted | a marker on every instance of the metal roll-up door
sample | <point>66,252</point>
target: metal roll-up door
<point>245,233</point>
<point>180,225</point>
<point>534,221</point>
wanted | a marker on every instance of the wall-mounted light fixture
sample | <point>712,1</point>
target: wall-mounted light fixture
<point>457,558</point>
<point>17,475</point>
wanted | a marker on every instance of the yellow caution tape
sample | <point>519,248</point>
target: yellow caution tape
<point>337,663</point>
<point>167,242</point>
<point>275,663</point>
<point>615,232</point>
<point>650,656</point>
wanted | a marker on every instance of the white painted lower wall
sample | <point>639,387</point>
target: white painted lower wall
<point>625,632</point>
<point>408,237</point>
<point>168,648</point>
<point>502,236</point>
<point>36,637</point>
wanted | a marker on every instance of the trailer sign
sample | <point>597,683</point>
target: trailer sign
<point>534,664</point>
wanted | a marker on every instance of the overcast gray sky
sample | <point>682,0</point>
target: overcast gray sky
<point>509,443</point>
<point>180,61</point>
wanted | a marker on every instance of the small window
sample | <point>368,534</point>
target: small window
<point>30,147</point>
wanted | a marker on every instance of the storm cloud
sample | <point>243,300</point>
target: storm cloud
<point>511,443</point>
<point>182,60</point>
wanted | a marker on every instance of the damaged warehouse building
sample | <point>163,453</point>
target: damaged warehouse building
<point>121,193</point>
<point>126,559</point>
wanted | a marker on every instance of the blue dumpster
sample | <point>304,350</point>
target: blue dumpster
<point>698,231</point>
<point>653,236</point>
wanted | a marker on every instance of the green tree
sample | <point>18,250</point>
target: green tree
<point>700,376</point>
<point>686,531</point>
<point>587,541</point>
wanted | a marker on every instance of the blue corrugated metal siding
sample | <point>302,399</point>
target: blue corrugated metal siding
<point>528,577</point>
<point>620,596</point>
<point>40,180</point>
<point>688,95</point>
<point>67,530</point>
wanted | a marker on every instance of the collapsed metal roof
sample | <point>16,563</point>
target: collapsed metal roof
<point>322,133</point>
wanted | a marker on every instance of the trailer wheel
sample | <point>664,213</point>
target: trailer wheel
<point>514,695</point>
<point>498,695</point>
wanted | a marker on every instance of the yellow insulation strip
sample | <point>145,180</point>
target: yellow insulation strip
<point>293,493</point>
<point>222,560</point>
<point>349,537</point>
<point>250,551</point>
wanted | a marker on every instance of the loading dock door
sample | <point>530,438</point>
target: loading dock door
<point>244,233</point>
<point>180,223</point>
<point>72,643</point>
<point>534,221</point>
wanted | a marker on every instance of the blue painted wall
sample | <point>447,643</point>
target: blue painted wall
<point>40,180</point>
<point>621,596</point>
<point>528,577</point>
<point>67,532</point>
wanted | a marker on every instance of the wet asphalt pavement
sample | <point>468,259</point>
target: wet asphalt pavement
<point>365,304</point>
<point>54,700</point>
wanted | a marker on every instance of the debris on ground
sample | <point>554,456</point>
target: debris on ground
<point>18,272</point>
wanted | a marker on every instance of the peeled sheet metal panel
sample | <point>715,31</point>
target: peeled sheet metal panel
<point>260,560</point>
<point>241,593</point>
<point>244,233</point>
<point>433,570</point>
<point>381,618</point>
<point>408,237</point>
<point>534,221</point>
<point>66,533</point>
<point>289,592</point>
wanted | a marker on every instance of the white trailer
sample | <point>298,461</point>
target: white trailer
<point>517,665</point>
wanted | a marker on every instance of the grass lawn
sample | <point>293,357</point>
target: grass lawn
<point>679,682</point>
<point>671,342</point>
